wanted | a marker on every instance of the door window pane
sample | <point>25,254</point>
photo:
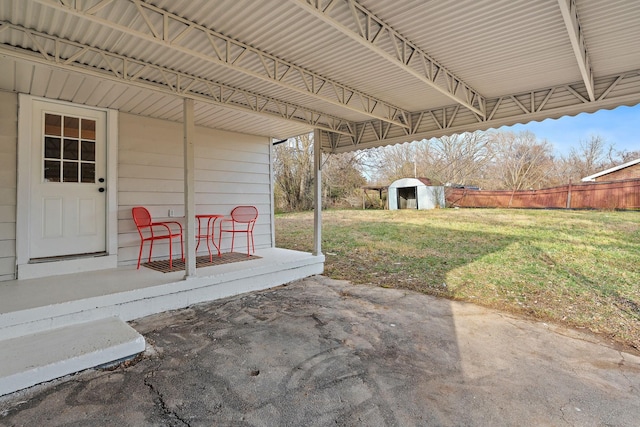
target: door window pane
<point>52,147</point>
<point>88,151</point>
<point>51,171</point>
<point>88,172</point>
<point>52,124</point>
<point>71,149</point>
<point>70,172</point>
<point>88,129</point>
<point>72,127</point>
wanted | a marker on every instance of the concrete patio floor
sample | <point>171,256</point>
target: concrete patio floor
<point>320,352</point>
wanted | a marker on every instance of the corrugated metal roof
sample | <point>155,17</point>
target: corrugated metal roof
<point>327,74</point>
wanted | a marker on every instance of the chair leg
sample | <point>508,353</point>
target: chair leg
<point>150,251</point>
<point>213,235</point>
<point>140,254</point>
<point>170,254</point>
<point>182,247</point>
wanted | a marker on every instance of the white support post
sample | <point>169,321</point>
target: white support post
<point>189,190</point>
<point>317,192</point>
<point>272,191</point>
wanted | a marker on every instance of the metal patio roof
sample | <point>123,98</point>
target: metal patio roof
<point>365,72</point>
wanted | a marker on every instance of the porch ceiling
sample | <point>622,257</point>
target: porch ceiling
<point>368,72</point>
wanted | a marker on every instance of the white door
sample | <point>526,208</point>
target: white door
<point>68,182</point>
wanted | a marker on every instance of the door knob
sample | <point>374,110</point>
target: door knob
<point>101,189</point>
<point>100,179</point>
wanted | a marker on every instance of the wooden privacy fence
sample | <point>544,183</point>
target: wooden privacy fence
<point>589,195</point>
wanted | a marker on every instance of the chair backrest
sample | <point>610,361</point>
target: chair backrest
<point>244,214</point>
<point>141,216</point>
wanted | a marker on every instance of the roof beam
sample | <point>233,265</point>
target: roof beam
<point>551,102</point>
<point>91,61</point>
<point>372,32</point>
<point>168,30</point>
<point>570,16</point>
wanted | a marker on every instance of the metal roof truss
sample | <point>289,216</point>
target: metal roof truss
<point>378,122</point>
<point>570,16</point>
<point>172,31</point>
<point>372,32</point>
<point>61,53</point>
<point>553,102</point>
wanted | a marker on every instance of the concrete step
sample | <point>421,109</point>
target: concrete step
<point>31,359</point>
<point>34,305</point>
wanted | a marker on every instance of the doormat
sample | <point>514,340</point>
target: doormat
<point>201,261</point>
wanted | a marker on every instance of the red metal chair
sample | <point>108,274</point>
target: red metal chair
<point>243,219</point>
<point>142,218</point>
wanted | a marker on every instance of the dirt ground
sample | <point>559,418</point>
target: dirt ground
<point>320,352</point>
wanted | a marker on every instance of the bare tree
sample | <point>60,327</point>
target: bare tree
<point>521,161</point>
<point>456,159</point>
<point>293,170</point>
<point>591,156</point>
<point>499,160</point>
<point>560,173</point>
<point>627,156</point>
<point>496,160</point>
<point>342,179</point>
<point>461,158</point>
<point>407,160</point>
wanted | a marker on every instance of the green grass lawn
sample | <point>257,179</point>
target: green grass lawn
<point>580,268</point>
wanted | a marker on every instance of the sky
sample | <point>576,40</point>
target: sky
<point>619,127</point>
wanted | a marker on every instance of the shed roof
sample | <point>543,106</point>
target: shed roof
<point>426,181</point>
<point>412,182</point>
<point>365,72</point>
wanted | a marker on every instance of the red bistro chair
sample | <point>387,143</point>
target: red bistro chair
<point>142,218</point>
<point>243,219</point>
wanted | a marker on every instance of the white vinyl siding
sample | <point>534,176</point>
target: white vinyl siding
<point>8,162</point>
<point>231,169</point>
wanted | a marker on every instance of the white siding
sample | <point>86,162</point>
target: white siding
<point>8,161</point>
<point>231,169</point>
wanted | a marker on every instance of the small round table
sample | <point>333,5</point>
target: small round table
<point>211,223</point>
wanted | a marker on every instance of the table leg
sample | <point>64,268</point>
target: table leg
<point>209,226</point>
<point>213,236</point>
<point>206,236</point>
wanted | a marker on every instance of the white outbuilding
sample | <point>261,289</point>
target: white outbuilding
<point>415,193</point>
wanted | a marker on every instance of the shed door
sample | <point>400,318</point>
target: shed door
<point>407,198</point>
<point>68,191</point>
